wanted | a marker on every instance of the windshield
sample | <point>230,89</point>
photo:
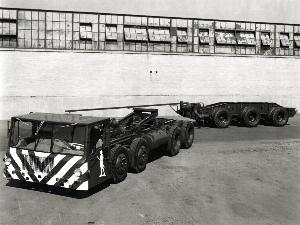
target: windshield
<point>45,137</point>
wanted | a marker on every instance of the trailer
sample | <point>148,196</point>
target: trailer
<point>79,152</point>
<point>250,114</point>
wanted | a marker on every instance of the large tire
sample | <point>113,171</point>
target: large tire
<point>279,117</point>
<point>251,117</point>
<point>119,163</point>
<point>221,118</point>
<point>174,142</point>
<point>187,135</point>
<point>139,154</point>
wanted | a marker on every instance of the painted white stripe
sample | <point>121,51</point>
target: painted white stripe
<point>41,154</point>
<point>84,186</point>
<point>10,168</point>
<point>24,152</point>
<point>64,170</point>
<point>83,169</point>
<point>57,159</point>
<point>13,152</point>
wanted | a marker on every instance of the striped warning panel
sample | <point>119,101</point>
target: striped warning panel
<point>48,168</point>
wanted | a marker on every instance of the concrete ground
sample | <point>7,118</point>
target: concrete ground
<point>238,175</point>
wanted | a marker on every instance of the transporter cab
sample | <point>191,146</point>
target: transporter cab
<point>80,152</point>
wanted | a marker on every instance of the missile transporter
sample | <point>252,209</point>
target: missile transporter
<point>79,152</point>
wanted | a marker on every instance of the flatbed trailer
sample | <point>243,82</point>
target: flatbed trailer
<point>222,114</point>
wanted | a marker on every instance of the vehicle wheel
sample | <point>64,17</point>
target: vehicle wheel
<point>279,117</point>
<point>119,164</point>
<point>222,118</point>
<point>174,142</point>
<point>187,135</point>
<point>251,117</point>
<point>139,151</point>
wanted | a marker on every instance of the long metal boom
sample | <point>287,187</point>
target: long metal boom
<point>121,107</point>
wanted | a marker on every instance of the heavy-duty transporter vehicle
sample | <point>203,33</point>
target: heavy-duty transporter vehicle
<point>248,113</point>
<point>79,152</point>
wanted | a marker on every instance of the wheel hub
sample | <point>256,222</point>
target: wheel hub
<point>142,155</point>
<point>280,117</point>
<point>223,118</point>
<point>252,117</point>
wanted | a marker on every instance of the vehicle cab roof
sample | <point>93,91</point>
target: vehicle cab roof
<point>61,118</point>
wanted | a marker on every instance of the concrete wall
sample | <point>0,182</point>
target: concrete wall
<point>55,81</point>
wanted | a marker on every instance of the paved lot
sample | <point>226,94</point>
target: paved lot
<point>230,176</point>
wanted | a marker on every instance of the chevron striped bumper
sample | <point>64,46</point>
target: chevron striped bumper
<point>47,168</point>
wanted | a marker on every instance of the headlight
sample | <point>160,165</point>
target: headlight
<point>7,161</point>
<point>77,172</point>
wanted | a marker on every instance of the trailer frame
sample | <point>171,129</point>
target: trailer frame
<point>221,114</point>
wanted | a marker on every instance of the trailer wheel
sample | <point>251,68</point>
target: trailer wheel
<point>221,118</point>
<point>187,135</point>
<point>119,164</point>
<point>139,151</point>
<point>251,117</point>
<point>279,117</point>
<point>174,142</point>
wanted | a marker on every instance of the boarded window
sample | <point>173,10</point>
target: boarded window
<point>246,38</point>
<point>265,39</point>
<point>225,38</point>
<point>182,36</point>
<point>86,31</point>
<point>159,34</point>
<point>297,40</point>
<point>111,33</point>
<point>135,34</point>
<point>204,36</point>
<point>284,40</point>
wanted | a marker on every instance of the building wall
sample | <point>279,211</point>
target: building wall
<point>65,60</point>
<point>56,81</point>
<point>40,29</point>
